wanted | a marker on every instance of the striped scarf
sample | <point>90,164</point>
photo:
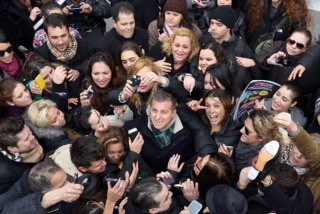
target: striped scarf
<point>68,54</point>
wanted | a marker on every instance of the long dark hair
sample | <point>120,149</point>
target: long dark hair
<point>218,170</point>
<point>100,93</point>
<point>222,73</point>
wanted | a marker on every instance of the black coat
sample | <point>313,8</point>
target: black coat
<point>84,51</point>
<point>276,200</point>
<point>155,157</point>
<point>10,172</point>
<point>111,42</point>
<point>16,24</point>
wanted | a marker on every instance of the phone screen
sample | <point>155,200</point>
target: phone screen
<point>40,82</point>
<point>195,207</point>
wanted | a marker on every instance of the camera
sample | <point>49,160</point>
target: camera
<point>75,10</point>
<point>283,61</point>
<point>135,81</point>
<point>90,91</point>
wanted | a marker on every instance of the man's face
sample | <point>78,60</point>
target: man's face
<point>96,167</point>
<point>125,25</point>
<point>218,30</point>
<point>58,180</point>
<point>161,114</point>
<point>164,199</point>
<point>26,142</point>
<point>59,37</point>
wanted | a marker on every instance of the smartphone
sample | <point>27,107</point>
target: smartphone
<point>205,1</point>
<point>195,207</point>
<point>168,181</point>
<point>133,133</point>
<point>229,148</point>
<point>75,10</point>
<point>40,82</point>
<point>90,91</point>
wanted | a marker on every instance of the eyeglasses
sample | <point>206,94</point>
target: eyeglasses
<point>246,131</point>
<point>292,42</point>
<point>8,50</point>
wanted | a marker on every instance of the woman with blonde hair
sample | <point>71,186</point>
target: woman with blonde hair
<point>175,58</point>
<point>138,96</point>
<point>47,122</point>
<point>259,128</point>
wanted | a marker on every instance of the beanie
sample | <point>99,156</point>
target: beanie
<point>224,14</point>
<point>178,6</point>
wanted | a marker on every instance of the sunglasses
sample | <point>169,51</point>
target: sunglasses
<point>246,131</point>
<point>8,50</point>
<point>299,45</point>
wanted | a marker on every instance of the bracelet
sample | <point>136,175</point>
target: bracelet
<point>291,126</point>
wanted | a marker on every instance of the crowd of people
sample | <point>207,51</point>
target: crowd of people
<point>139,118</point>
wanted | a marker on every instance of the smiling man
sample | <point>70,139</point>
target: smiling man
<point>124,29</point>
<point>63,48</point>
<point>19,151</point>
<point>163,132</point>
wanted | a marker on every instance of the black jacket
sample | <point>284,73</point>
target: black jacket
<point>111,42</point>
<point>155,157</point>
<point>276,200</point>
<point>16,24</point>
<point>10,172</point>
<point>84,51</point>
<point>270,25</point>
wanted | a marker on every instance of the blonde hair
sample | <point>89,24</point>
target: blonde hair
<point>265,126</point>
<point>195,47</point>
<point>38,112</point>
<point>142,62</point>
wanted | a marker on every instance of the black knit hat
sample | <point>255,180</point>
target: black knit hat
<point>224,14</point>
<point>178,6</point>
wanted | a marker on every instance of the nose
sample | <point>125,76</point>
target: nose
<point>130,64</point>
<point>60,41</point>
<point>157,116</point>
<point>100,77</point>
<point>242,130</point>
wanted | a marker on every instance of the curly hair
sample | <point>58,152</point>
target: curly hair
<point>195,47</point>
<point>294,9</point>
<point>136,100</point>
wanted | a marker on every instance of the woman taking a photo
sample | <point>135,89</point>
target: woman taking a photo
<point>101,78</point>
<point>278,61</point>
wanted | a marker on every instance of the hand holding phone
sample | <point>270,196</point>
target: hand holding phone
<point>194,207</point>
<point>40,82</point>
